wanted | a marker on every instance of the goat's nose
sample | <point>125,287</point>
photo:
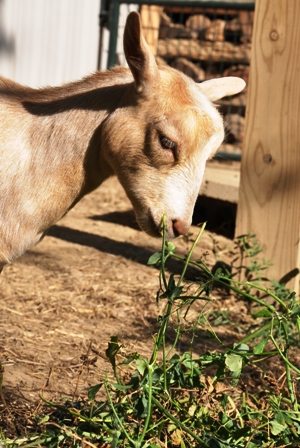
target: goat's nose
<point>179,227</point>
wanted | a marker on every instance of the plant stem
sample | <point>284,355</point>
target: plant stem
<point>286,360</point>
<point>269,293</point>
<point>256,333</point>
<point>117,417</point>
<point>222,280</point>
<point>149,391</point>
<point>163,253</point>
<point>291,387</point>
<point>162,331</point>
<point>190,252</point>
<point>179,424</point>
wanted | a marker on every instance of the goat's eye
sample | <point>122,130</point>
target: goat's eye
<point>166,143</point>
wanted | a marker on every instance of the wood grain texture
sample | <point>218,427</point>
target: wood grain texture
<point>150,17</point>
<point>269,199</point>
<point>221,183</point>
<point>211,51</point>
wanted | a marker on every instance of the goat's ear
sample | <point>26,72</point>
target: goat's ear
<point>138,54</point>
<point>217,88</point>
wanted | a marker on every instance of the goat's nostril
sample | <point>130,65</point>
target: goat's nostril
<point>179,227</point>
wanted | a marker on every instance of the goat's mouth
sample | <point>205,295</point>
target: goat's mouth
<point>149,225</point>
<point>154,227</point>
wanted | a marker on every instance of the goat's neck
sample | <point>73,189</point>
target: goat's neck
<point>57,153</point>
<point>68,125</point>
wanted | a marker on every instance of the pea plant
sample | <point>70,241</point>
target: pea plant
<point>178,397</point>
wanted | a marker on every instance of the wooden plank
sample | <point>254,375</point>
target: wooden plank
<point>269,201</point>
<point>203,10</point>
<point>150,17</point>
<point>207,51</point>
<point>221,183</point>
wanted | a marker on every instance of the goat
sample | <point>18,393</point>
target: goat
<point>150,125</point>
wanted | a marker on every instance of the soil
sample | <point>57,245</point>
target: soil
<point>62,301</point>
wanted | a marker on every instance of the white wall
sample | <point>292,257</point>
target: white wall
<point>45,42</point>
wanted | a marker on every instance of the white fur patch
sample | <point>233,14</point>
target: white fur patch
<point>181,189</point>
<point>182,186</point>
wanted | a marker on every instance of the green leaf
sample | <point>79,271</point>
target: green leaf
<point>121,387</point>
<point>43,420</point>
<point>154,259</point>
<point>175,294</point>
<point>263,312</point>
<point>192,409</point>
<point>171,283</point>
<point>116,438</point>
<point>170,247</point>
<point>112,350</point>
<point>93,391</point>
<point>241,347</point>
<point>129,358</point>
<point>141,366</point>
<point>234,363</point>
<point>259,348</point>
<point>141,407</point>
<point>277,428</point>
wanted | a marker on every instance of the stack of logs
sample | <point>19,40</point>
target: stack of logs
<point>207,43</point>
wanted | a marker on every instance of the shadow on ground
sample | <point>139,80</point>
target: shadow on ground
<point>123,218</point>
<point>127,250</point>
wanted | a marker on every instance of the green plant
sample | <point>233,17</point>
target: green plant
<point>179,398</point>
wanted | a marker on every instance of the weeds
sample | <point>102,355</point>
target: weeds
<point>180,398</point>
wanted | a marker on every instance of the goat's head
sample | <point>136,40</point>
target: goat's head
<point>161,146</point>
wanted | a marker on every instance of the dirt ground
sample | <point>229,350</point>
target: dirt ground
<point>83,283</point>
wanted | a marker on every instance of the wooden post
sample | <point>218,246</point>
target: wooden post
<point>269,198</point>
<point>150,17</point>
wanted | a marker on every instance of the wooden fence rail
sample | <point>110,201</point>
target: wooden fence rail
<point>269,199</point>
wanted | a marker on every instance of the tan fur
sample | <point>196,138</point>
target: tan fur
<point>58,144</point>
